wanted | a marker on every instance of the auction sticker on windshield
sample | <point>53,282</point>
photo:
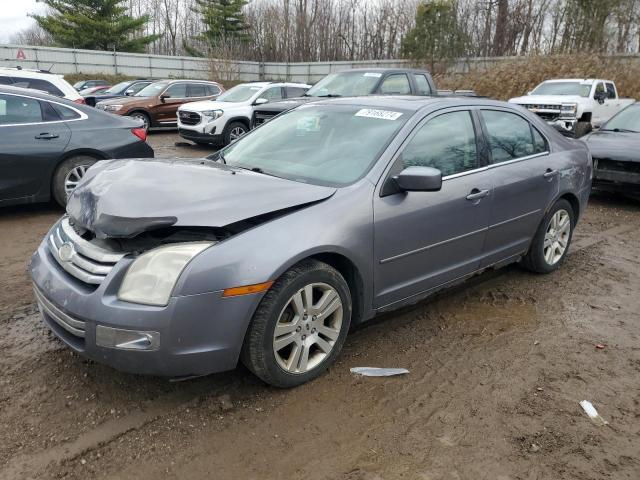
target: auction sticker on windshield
<point>380,114</point>
<point>373,74</point>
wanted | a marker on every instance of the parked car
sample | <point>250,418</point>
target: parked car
<point>157,104</point>
<point>82,84</point>
<point>574,106</point>
<point>616,153</point>
<point>94,90</point>
<point>226,119</point>
<point>47,144</point>
<point>354,83</point>
<point>319,219</point>
<point>40,80</point>
<point>120,90</point>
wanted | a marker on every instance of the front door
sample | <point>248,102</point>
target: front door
<point>167,109</point>
<point>29,145</point>
<point>426,239</point>
<point>525,182</point>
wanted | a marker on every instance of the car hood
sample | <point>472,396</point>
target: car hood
<point>547,99</point>
<point>288,104</point>
<point>620,146</point>
<point>123,198</point>
<point>211,105</point>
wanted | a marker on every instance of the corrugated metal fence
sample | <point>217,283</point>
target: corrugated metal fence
<point>66,61</point>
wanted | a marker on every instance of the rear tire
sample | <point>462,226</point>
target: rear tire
<point>67,176</point>
<point>310,305</point>
<point>146,120</point>
<point>551,243</point>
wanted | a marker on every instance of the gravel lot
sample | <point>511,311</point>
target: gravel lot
<point>497,370</point>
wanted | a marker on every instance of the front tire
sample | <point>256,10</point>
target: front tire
<point>68,175</point>
<point>300,325</point>
<point>233,132</point>
<point>551,243</point>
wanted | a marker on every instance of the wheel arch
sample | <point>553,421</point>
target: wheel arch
<point>586,117</point>
<point>573,201</point>
<point>244,120</point>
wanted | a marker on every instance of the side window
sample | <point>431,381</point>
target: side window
<point>38,84</point>
<point>177,90</point>
<point>292,92</point>
<point>447,142</point>
<point>5,81</point>
<point>272,94</point>
<point>509,135</point>
<point>397,84</point>
<point>539,142</point>
<point>136,87</point>
<point>16,110</point>
<point>422,84</point>
<point>197,90</point>
<point>212,90</point>
<point>600,88</point>
<point>611,90</point>
<point>64,112</point>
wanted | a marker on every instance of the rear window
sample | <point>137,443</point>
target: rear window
<point>38,84</point>
<point>423,84</point>
<point>64,112</point>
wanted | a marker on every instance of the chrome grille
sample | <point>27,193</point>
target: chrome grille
<point>532,106</point>
<point>84,260</point>
<point>72,325</point>
<point>189,118</point>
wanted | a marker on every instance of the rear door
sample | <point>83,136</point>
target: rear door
<point>525,178</point>
<point>426,239</point>
<point>32,139</point>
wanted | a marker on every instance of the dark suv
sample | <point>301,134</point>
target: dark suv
<point>354,83</point>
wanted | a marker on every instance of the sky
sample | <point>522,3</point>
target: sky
<point>13,16</point>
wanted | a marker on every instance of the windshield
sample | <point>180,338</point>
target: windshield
<point>563,88</point>
<point>239,93</point>
<point>78,84</point>
<point>331,145</point>
<point>117,87</point>
<point>345,84</point>
<point>152,90</point>
<point>627,120</point>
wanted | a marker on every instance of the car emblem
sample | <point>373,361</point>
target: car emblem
<point>66,252</point>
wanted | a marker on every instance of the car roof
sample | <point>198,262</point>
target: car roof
<point>411,103</point>
<point>23,72</point>
<point>32,93</point>
<point>187,80</point>
<point>383,70</point>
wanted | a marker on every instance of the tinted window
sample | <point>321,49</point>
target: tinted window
<point>611,90</point>
<point>177,90</point>
<point>136,87</point>
<point>423,84</point>
<point>212,90</point>
<point>539,142</point>
<point>272,94</point>
<point>64,112</point>
<point>509,135</point>
<point>292,92</point>
<point>446,142</point>
<point>197,90</point>
<point>5,81</point>
<point>38,84</point>
<point>396,84</point>
<point>600,88</point>
<point>14,109</point>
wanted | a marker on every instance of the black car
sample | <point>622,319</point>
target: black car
<point>354,83</point>
<point>82,84</point>
<point>122,89</point>
<point>615,148</point>
<point>47,143</point>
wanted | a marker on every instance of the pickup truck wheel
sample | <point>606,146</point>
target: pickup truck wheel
<point>68,175</point>
<point>234,131</point>
<point>582,128</point>
<point>300,325</point>
<point>551,243</point>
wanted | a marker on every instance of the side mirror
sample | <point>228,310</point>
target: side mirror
<point>599,97</point>
<point>163,98</point>
<point>129,92</point>
<point>261,101</point>
<point>419,179</point>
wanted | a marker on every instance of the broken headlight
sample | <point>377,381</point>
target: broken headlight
<point>152,276</point>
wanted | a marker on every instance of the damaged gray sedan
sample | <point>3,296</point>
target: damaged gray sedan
<point>318,220</point>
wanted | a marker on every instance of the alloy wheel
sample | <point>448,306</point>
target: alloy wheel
<point>236,133</point>
<point>556,238</point>
<point>73,177</point>
<point>143,118</point>
<point>308,328</point>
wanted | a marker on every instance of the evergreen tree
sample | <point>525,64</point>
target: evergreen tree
<point>437,35</point>
<point>223,21</point>
<point>94,25</point>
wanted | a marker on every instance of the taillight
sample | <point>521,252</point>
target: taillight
<point>141,133</point>
<point>80,101</point>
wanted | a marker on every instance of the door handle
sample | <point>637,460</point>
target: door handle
<point>550,173</point>
<point>46,136</point>
<point>477,194</point>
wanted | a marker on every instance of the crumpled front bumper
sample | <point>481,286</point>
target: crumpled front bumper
<point>198,334</point>
<point>566,126</point>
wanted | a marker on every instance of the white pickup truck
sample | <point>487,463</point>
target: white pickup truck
<point>574,106</point>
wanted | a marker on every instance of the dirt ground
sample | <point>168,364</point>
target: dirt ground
<point>497,370</point>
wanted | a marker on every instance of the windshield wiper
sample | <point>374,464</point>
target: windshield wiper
<point>221,157</point>
<point>622,130</point>
<point>328,95</point>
